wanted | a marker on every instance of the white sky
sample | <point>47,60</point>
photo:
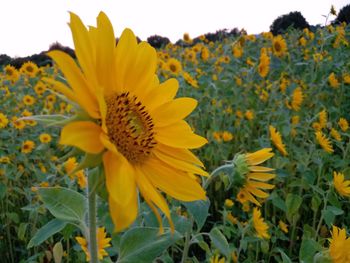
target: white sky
<point>29,27</point>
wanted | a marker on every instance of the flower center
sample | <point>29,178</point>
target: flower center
<point>130,127</point>
<point>278,46</point>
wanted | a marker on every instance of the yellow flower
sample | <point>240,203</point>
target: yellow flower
<point>316,126</point>
<point>27,146</point>
<point>264,64</point>
<point>216,259</point>
<point>254,176</point>
<point>343,124</point>
<point>346,78</point>
<point>323,119</point>
<point>260,226</point>
<point>324,142</point>
<point>335,134</point>
<point>217,136</point>
<point>82,181</point>
<point>28,100</point>
<point>29,68</point>
<point>70,165</point>
<point>295,120</point>
<point>339,246</point>
<point>277,140</point>
<point>5,159</point>
<point>279,46</point>
<point>229,203</point>
<point>3,120</point>
<point>341,185</point>
<point>187,38</point>
<point>11,73</point>
<point>102,243</point>
<point>249,115</point>
<point>302,41</point>
<point>205,53</point>
<point>45,138</point>
<point>188,78</point>
<point>297,99</point>
<point>283,226</point>
<point>135,122</point>
<point>18,124</point>
<point>333,81</point>
<point>227,136</point>
<point>237,50</point>
<point>40,88</point>
<point>174,66</point>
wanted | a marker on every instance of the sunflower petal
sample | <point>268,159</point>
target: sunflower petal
<point>173,111</point>
<point>179,135</point>
<point>61,88</point>
<point>82,134</point>
<point>77,82</point>
<point>261,185</point>
<point>123,215</point>
<point>173,182</point>
<point>260,156</point>
<point>120,179</point>
<point>261,176</point>
<point>260,169</point>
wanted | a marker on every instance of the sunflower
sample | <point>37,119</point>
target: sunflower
<point>283,226</point>
<point>264,64</point>
<point>29,68</point>
<point>28,100</point>
<point>45,138</point>
<point>134,121</point>
<point>11,73</point>
<point>102,242</point>
<point>333,81</point>
<point>174,66</point>
<point>237,50</point>
<point>335,134</point>
<point>322,116</point>
<point>343,124</point>
<point>324,142</point>
<point>279,46</point>
<point>277,140</point>
<point>297,99</point>
<point>260,226</point>
<point>254,176</point>
<point>27,146</point>
<point>342,186</point>
<point>339,246</point>
<point>40,88</point>
<point>3,120</point>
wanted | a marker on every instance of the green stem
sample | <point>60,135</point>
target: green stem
<point>92,221</point>
<point>325,201</point>
<point>187,243</point>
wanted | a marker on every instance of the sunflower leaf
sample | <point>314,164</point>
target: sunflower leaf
<point>220,241</point>
<point>144,244</point>
<point>199,210</point>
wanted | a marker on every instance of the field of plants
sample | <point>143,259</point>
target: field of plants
<point>275,112</point>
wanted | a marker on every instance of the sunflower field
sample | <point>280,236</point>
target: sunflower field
<point>268,179</point>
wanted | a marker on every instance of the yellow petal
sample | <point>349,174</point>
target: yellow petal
<point>150,194</point>
<point>251,198</point>
<point>173,111</point>
<point>260,169</point>
<point>179,135</point>
<point>61,88</point>
<point>261,176</point>
<point>75,78</point>
<point>257,192</point>
<point>120,179</point>
<point>179,164</point>
<point>161,94</point>
<point>84,135</point>
<point>107,143</point>
<point>173,182</point>
<point>124,57</point>
<point>105,47</point>
<point>178,153</point>
<point>140,74</point>
<point>261,185</point>
<point>260,156</point>
<point>83,47</point>
<point>123,215</point>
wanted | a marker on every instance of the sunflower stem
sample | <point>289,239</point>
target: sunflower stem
<point>92,220</point>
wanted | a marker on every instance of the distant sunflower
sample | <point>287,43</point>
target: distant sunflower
<point>260,226</point>
<point>323,118</point>
<point>277,140</point>
<point>343,124</point>
<point>11,73</point>
<point>45,138</point>
<point>254,176</point>
<point>333,81</point>
<point>324,142</point>
<point>174,66</point>
<point>29,68</point>
<point>264,64</point>
<point>335,134</point>
<point>3,120</point>
<point>342,186</point>
<point>297,99</point>
<point>27,146</point>
<point>339,246</point>
<point>28,100</point>
<point>135,122</point>
<point>279,46</point>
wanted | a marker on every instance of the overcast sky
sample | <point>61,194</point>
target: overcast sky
<point>30,26</point>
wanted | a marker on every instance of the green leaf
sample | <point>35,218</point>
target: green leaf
<point>219,241</point>
<point>308,249</point>
<point>285,258</point>
<point>199,211</point>
<point>293,203</point>
<point>144,244</point>
<point>335,210</point>
<point>328,217</point>
<point>46,231</point>
<point>49,120</point>
<point>278,202</point>
<point>64,203</point>
<point>22,230</point>
<point>2,190</point>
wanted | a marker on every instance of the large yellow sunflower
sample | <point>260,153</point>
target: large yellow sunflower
<point>133,120</point>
